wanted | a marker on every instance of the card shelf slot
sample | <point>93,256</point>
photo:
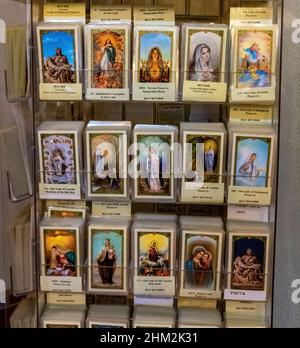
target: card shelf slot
<point>220,283</point>
<point>11,193</point>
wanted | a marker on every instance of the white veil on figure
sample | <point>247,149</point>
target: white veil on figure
<point>197,42</point>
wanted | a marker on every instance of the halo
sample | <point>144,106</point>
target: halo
<point>198,247</point>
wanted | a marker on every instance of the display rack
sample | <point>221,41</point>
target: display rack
<point>156,113</point>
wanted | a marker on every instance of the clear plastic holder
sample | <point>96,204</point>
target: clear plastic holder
<point>254,94</point>
<point>60,159</point>
<point>62,254</point>
<point>146,316</point>
<point>155,76</point>
<point>254,291</point>
<point>210,190</point>
<point>242,190</point>
<point>60,73</point>
<point>199,318</point>
<point>154,282</point>
<point>20,242</point>
<point>200,286</point>
<point>234,321</point>
<point>55,211</point>
<point>105,315</point>
<point>108,257</point>
<point>207,89</point>
<point>246,314</point>
<point>251,164</point>
<point>63,316</point>
<point>201,257</point>
<point>107,59</point>
<point>209,92</point>
<point>152,168</point>
<point>63,279</point>
<point>203,165</point>
<point>117,89</point>
<point>249,268</point>
<point>203,62</point>
<point>65,187</point>
<point>198,282</point>
<point>153,257</point>
<point>253,63</point>
<point>217,191</point>
<point>60,92</point>
<point>112,187</point>
<point>106,152</point>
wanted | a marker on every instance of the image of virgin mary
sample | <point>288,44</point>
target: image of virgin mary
<point>199,269</point>
<point>109,57</point>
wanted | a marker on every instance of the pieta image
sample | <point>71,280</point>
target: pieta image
<point>248,262</point>
<point>58,56</point>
